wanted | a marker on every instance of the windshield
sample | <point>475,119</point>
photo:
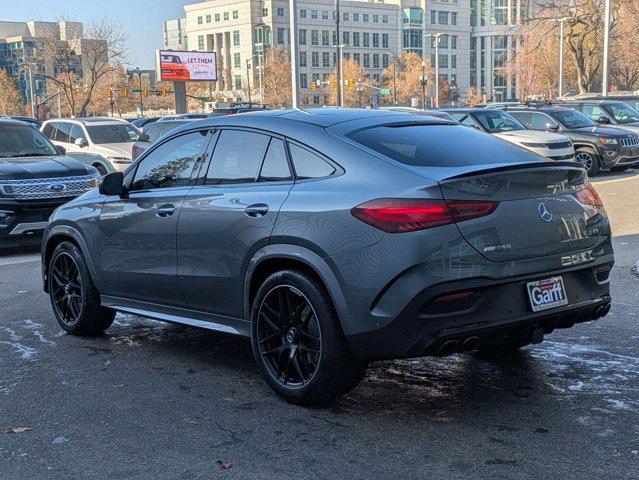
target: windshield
<point>623,113</point>
<point>117,133</point>
<point>573,119</point>
<point>497,122</point>
<point>24,141</point>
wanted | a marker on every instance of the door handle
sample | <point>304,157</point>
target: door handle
<point>165,210</point>
<point>256,210</point>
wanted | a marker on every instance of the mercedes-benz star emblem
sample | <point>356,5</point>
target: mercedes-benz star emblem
<point>545,212</point>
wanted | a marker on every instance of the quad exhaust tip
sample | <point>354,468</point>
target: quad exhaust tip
<point>600,311</point>
<point>451,347</point>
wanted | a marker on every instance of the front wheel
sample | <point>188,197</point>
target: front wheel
<point>298,342</point>
<point>74,298</point>
<point>589,160</point>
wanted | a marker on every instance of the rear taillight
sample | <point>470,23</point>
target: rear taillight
<point>396,215</point>
<point>589,196</point>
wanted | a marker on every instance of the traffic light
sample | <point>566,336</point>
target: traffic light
<point>334,83</point>
<point>109,94</point>
<point>85,88</point>
<point>74,89</point>
<point>313,86</point>
<point>125,92</point>
<point>164,91</point>
<point>145,92</point>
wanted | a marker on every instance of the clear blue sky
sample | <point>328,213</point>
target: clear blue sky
<point>141,19</point>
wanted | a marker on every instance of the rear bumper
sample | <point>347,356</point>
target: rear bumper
<point>497,310</point>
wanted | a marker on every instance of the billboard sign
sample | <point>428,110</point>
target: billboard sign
<point>180,66</point>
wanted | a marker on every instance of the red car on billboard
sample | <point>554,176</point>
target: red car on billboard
<point>172,68</point>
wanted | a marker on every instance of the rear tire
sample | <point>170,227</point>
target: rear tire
<point>589,160</point>
<point>298,343</point>
<point>101,169</point>
<point>74,298</point>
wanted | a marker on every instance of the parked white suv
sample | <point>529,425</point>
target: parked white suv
<point>499,123</point>
<point>111,138</point>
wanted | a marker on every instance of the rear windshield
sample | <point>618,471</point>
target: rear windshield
<point>623,113</point>
<point>437,145</point>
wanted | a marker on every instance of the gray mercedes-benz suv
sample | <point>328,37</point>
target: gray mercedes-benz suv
<point>332,237</point>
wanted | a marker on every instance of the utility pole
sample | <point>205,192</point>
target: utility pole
<point>605,81</point>
<point>138,72</point>
<point>338,45</point>
<point>248,79</point>
<point>31,97</point>
<point>60,105</point>
<point>436,36</point>
<point>561,56</point>
<point>423,82</point>
<point>295,91</point>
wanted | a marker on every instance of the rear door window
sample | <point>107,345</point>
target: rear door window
<point>435,145</point>
<point>63,132</point>
<point>309,165</point>
<point>538,121</point>
<point>523,117</point>
<point>593,112</point>
<point>237,157</point>
<point>275,167</point>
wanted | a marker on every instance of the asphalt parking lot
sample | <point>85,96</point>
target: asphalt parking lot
<point>150,400</point>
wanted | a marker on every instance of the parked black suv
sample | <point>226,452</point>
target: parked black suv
<point>606,112</point>
<point>596,147</point>
<point>35,179</point>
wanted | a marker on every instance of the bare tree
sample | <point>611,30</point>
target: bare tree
<point>409,73</point>
<point>353,73</point>
<point>624,68</point>
<point>77,63</point>
<point>277,77</point>
<point>474,96</point>
<point>11,102</point>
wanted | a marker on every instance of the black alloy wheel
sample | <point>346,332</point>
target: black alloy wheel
<point>289,336</point>
<point>66,289</point>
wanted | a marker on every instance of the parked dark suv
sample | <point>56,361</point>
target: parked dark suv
<point>35,179</point>
<point>597,147</point>
<point>607,112</point>
<point>331,237</point>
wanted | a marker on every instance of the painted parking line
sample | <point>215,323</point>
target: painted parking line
<point>16,259</point>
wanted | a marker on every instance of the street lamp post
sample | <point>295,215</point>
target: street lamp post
<point>260,30</point>
<point>340,73</point>
<point>392,56</point>
<point>248,78</point>
<point>138,72</point>
<point>436,36</point>
<point>604,80</point>
<point>295,91</point>
<point>561,55</point>
<point>423,81</point>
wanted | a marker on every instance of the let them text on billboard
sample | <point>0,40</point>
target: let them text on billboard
<point>179,66</point>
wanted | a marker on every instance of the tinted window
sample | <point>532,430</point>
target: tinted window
<point>116,133</point>
<point>48,129</point>
<point>309,165</point>
<point>496,122</point>
<point>523,117</point>
<point>237,157</point>
<point>623,113</point>
<point>593,112</point>
<point>436,145</point>
<point>22,141</point>
<point>153,131</point>
<point>63,132</point>
<point>171,164</point>
<point>538,121</point>
<point>573,118</point>
<point>275,166</point>
<point>466,119</point>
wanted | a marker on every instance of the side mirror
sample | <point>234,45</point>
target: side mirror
<point>112,184</point>
<point>61,150</point>
<point>603,120</point>
<point>552,126</point>
<point>80,142</point>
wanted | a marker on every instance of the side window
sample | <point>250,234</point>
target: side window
<point>63,132</point>
<point>523,117</point>
<point>275,167</point>
<point>308,165</point>
<point>75,133</point>
<point>237,157</point>
<point>171,164</point>
<point>539,121</point>
<point>48,130</point>
<point>469,121</point>
<point>153,132</point>
<point>594,112</point>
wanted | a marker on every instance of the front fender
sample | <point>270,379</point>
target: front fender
<point>52,234</point>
